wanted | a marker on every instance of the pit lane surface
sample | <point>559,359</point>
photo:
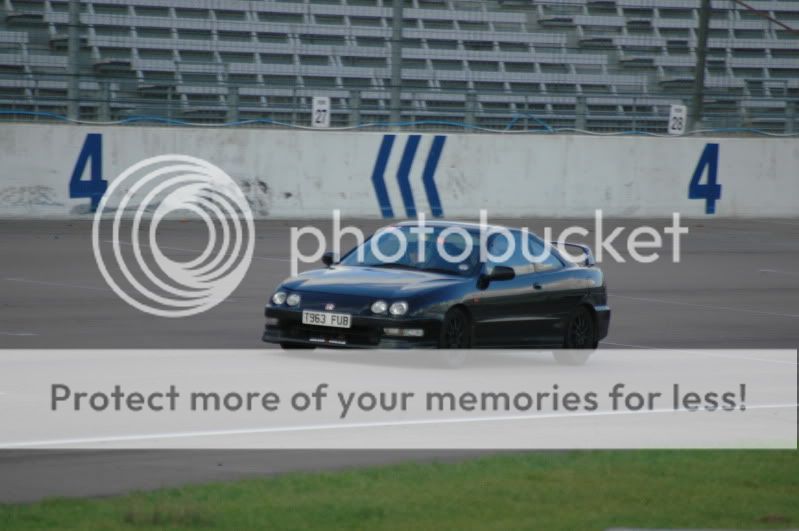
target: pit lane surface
<point>736,287</point>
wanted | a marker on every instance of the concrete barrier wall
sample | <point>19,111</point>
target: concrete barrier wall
<point>290,174</point>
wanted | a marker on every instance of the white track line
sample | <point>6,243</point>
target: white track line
<point>603,342</point>
<point>706,306</point>
<point>183,249</point>
<point>703,353</point>
<point>774,222</point>
<point>57,284</point>
<point>778,272</point>
<point>353,426</point>
<point>17,334</point>
<point>63,285</point>
<point>748,358</point>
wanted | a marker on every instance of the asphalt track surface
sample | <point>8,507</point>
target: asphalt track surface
<point>735,287</point>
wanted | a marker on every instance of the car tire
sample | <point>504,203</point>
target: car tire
<point>456,330</point>
<point>579,338</point>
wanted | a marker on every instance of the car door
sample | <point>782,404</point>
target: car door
<point>502,311</point>
<point>558,292</point>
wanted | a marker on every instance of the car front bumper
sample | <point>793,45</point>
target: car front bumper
<point>365,332</point>
<point>603,321</point>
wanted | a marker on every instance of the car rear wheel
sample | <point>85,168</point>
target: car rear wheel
<point>579,338</point>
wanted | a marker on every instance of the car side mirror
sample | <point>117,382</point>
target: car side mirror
<point>329,258</point>
<point>502,273</point>
<point>496,273</point>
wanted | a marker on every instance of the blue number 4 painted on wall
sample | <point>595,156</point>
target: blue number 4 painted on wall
<point>711,191</point>
<point>95,187</point>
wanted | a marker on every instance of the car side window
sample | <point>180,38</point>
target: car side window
<point>498,246</point>
<point>550,262</point>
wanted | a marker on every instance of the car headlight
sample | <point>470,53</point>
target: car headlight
<point>293,299</point>
<point>279,298</point>
<point>379,307</point>
<point>398,308</point>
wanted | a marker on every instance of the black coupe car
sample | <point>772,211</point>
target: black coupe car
<point>438,290</point>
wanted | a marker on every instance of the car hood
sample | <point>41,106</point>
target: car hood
<point>369,281</point>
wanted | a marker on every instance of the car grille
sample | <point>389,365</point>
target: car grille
<point>357,335</point>
<point>344,304</point>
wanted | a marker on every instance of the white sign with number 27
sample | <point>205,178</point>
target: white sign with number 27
<point>321,111</point>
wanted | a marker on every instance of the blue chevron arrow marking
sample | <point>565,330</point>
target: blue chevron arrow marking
<point>378,176</point>
<point>428,177</point>
<point>403,175</point>
<point>404,172</point>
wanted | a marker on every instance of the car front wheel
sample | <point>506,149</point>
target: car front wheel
<point>455,330</point>
<point>456,335</point>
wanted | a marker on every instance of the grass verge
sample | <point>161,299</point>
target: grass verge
<point>570,490</point>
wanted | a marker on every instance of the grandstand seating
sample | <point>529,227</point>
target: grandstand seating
<point>597,64</point>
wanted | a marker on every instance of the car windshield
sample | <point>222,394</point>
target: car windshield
<point>440,250</point>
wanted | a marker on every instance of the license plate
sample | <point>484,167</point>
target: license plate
<point>335,320</point>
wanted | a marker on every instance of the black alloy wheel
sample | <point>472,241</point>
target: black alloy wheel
<point>455,330</point>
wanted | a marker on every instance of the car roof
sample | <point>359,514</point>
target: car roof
<point>445,223</point>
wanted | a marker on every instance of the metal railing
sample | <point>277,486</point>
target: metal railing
<point>43,97</point>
